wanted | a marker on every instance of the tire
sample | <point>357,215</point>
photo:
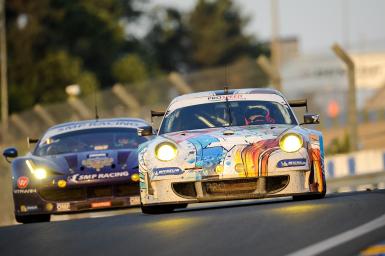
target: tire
<point>158,209</point>
<point>181,206</point>
<point>33,218</point>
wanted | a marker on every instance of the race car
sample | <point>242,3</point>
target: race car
<point>78,166</point>
<point>230,145</point>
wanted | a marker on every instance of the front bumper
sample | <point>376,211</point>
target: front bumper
<point>75,199</point>
<point>214,189</point>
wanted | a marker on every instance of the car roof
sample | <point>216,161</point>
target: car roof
<point>264,94</point>
<point>229,92</point>
<point>95,123</point>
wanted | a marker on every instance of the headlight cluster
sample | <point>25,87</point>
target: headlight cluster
<point>291,142</point>
<point>166,151</point>
<point>39,172</point>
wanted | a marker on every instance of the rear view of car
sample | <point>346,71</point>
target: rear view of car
<point>78,166</point>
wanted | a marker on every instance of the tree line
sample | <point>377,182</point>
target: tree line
<point>96,43</point>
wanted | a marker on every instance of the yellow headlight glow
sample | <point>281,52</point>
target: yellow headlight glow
<point>165,151</point>
<point>291,142</point>
<point>40,173</point>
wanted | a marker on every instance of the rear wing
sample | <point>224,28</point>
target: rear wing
<point>155,113</point>
<point>298,103</point>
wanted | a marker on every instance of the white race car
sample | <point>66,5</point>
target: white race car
<point>230,145</point>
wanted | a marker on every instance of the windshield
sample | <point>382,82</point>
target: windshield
<point>90,140</point>
<point>218,115</point>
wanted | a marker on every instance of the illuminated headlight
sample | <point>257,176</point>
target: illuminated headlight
<point>165,151</point>
<point>39,173</point>
<point>291,142</point>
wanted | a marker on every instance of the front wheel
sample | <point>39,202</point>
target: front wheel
<point>33,218</point>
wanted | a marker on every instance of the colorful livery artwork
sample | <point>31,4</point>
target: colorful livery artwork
<point>239,144</point>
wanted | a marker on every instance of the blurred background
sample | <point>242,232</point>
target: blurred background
<point>60,57</point>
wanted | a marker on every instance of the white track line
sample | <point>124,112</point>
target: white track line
<point>344,237</point>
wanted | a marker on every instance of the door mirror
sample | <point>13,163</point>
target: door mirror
<point>10,153</point>
<point>311,119</point>
<point>145,131</point>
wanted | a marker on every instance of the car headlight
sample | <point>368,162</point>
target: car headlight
<point>39,172</point>
<point>165,151</point>
<point>291,142</point>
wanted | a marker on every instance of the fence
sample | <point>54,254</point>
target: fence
<point>359,170</point>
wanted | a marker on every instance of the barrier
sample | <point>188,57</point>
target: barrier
<point>363,169</point>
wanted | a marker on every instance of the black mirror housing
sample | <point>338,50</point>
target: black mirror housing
<point>311,119</point>
<point>10,152</point>
<point>145,131</point>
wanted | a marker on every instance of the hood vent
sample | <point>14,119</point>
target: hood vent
<point>122,157</point>
<point>72,161</point>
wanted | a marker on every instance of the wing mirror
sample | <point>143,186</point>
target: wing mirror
<point>311,119</point>
<point>145,131</point>
<point>10,153</point>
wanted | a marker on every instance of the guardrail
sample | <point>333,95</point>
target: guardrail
<point>357,182</point>
<point>358,170</point>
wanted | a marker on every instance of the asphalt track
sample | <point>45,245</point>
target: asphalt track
<point>253,227</point>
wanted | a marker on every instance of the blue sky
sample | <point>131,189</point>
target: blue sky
<point>358,24</point>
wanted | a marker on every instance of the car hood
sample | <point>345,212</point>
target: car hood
<point>208,148</point>
<point>89,162</point>
<point>228,136</point>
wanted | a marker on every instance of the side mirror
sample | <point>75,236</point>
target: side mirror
<point>10,152</point>
<point>145,131</point>
<point>311,119</point>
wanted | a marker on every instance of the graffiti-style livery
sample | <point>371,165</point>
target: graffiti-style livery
<point>225,145</point>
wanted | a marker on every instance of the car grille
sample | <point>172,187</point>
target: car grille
<point>90,192</point>
<point>259,185</point>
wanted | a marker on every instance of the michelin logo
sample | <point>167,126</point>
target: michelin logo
<point>97,176</point>
<point>167,171</point>
<point>291,162</point>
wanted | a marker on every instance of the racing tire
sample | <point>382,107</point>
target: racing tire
<point>181,206</point>
<point>158,209</point>
<point>33,218</point>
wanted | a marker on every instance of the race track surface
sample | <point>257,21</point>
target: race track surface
<point>253,227</point>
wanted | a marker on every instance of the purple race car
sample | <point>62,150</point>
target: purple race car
<point>78,166</point>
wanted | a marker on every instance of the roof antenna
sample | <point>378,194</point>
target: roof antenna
<point>226,87</point>
<point>96,105</point>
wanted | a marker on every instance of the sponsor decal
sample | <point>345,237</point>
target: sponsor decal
<point>22,182</point>
<point>101,124</point>
<point>97,176</point>
<point>167,171</point>
<point>291,162</point>
<point>63,207</point>
<point>97,163</point>
<point>101,204</point>
<point>25,191</point>
<point>224,97</point>
<point>28,208</point>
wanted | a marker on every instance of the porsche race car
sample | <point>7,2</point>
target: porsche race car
<point>78,166</point>
<point>230,145</point>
